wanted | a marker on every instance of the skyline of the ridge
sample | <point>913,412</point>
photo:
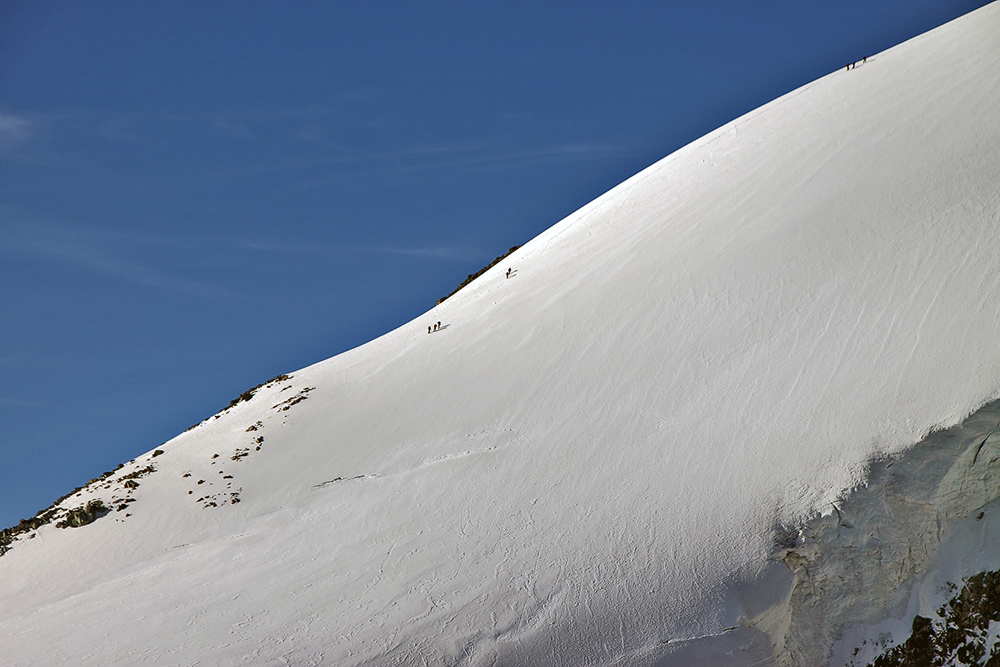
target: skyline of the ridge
<point>194,198</point>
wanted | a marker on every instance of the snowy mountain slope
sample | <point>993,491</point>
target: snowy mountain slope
<point>588,463</point>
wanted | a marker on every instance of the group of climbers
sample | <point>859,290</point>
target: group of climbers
<point>437,325</point>
<point>851,66</point>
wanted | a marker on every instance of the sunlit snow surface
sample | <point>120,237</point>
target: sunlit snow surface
<point>587,463</point>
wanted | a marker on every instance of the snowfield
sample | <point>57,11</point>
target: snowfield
<point>606,458</point>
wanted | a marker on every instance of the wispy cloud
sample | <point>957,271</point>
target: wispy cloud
<point>304,148</point>
<point>439,158</point>
<point>433,252</point>
<point>233,127</point>
<point>18,403</point>
<point>450,253</point>
<point>321,127</point>
<point>30,138</point>
<point>463,155</point>
<point>93,250</point>
<point>280,247</point>
<point>14,130</point>
<point>509,158</point>
<point>306,123</point>
<point>311,132</point>
<point>126,128</point>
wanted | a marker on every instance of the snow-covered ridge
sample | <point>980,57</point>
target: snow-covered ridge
<point>587,463</point>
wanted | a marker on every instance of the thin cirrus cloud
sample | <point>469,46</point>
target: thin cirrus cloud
<point>37,140</point>
<point>437,158</point>
<point>281,135</point>
<point>15,139</point>
<point>336,165</point>
<point>453,253</point>
<point>512,159</point>
<point>316,126</point>
<point>18,403</point>
<point>92,251</point>
<point>433,252</point>
<point>13,130</point>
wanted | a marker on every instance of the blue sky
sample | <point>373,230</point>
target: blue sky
<point>195,197</point>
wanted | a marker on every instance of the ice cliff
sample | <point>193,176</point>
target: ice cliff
<point>863,570</point>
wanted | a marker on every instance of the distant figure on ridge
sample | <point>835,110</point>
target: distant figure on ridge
<point>428,329</point>
<point>508,273</point>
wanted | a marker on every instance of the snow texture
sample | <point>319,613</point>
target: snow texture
<point>587,464</point>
